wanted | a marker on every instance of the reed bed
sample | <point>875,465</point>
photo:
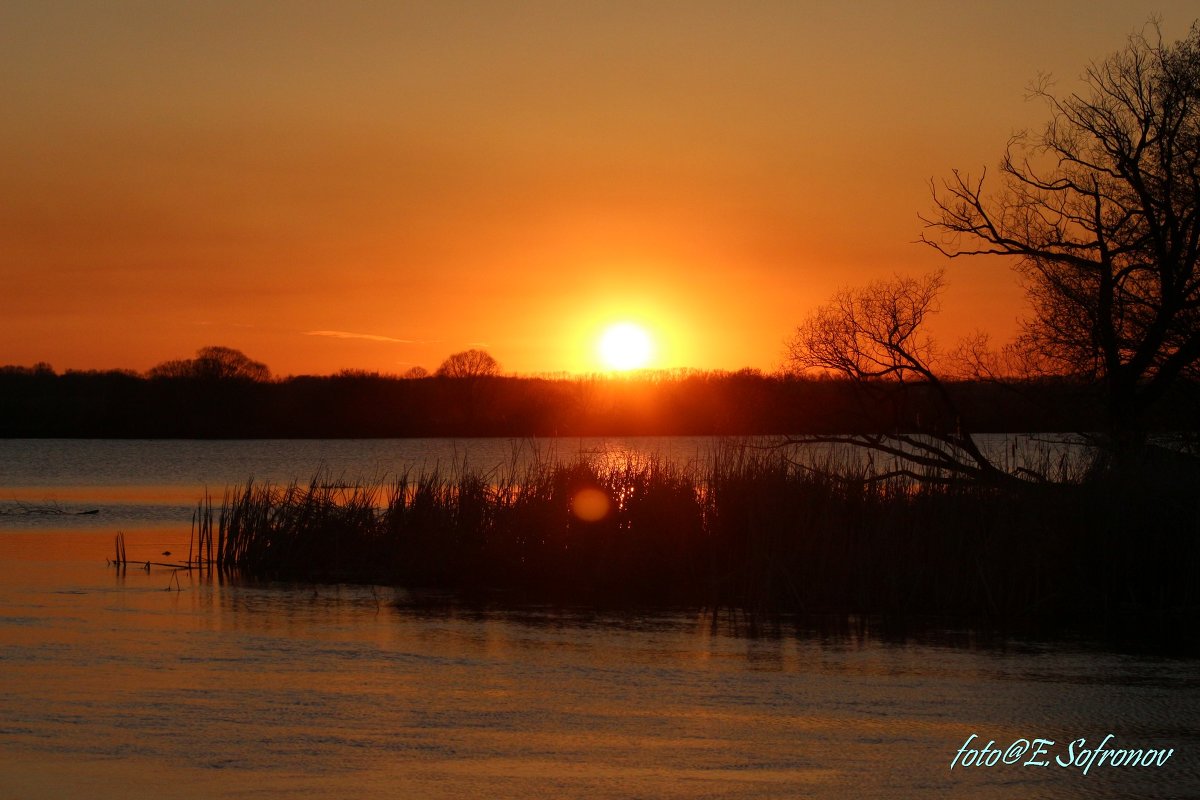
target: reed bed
<point>749,530</point>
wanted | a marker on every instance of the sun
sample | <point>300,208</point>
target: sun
<point>625,346</point>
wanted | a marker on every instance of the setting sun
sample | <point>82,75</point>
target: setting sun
<point>625,346</point>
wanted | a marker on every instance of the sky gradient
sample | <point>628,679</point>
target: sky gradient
<point>377,185</point>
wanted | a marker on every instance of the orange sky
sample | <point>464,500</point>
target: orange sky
<point>377,185</point>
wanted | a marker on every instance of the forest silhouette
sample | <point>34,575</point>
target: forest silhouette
<point>38,402</point>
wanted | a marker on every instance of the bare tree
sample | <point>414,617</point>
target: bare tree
<point>872,332</point>
<point>214,363</point>
<point>874,336</point>
<point>1100,210</point>
<point>469,364</point>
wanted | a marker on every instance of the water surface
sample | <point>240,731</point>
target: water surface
<point>155,683</point>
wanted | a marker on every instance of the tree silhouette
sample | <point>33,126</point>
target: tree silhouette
<point>1100,209</point>
<point>469,364</point>
<point>214,363</point>
<point>873,335</point>
<point>872,332</point>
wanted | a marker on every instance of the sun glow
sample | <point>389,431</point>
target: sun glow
<point>625,346</point>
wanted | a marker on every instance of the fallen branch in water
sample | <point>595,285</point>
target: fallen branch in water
<point>24,509</point>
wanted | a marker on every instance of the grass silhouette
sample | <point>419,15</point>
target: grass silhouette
<point>750,530</point>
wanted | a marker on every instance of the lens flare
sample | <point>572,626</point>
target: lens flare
<point>590,505</point>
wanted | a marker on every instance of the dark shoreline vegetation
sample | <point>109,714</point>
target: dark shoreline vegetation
<point>753,533</point>
<point>39,403</point>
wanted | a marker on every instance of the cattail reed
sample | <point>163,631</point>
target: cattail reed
<point>749,529</point>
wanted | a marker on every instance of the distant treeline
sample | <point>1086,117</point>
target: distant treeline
<point>37,402</point>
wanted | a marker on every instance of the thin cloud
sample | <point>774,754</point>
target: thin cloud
<point>370,337</point>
